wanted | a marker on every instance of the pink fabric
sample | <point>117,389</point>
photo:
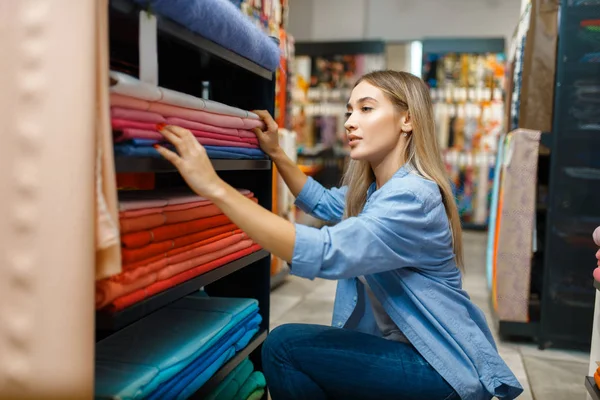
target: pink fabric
<point>137,200</point>
<point>118,100</point>
<point>199,126</point>
<point>596,274</point>
<point>121,124</point>
<point>136,115</point>
<point>158,210</point>
<point>130,133</point>
<point>225,121</point>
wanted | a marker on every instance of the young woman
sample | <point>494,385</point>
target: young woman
<point>403,328</point>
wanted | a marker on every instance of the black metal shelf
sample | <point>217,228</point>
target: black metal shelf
<point>226,369</point>
<point>109,322</point>
<point>170,30</point>
<point>149,164</point>
<point>591,387</point>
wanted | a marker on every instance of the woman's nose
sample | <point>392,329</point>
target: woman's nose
<point>350,125</point>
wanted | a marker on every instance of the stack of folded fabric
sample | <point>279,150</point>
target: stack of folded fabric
<point>171,353</point>
<point>137,108</point>
<point>168,239</point>
<point>243,383</point>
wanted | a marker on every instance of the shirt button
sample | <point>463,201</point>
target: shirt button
<point>339,324</point>
<point>355,299</point>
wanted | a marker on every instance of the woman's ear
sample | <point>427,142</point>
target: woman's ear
<point>406,123</point>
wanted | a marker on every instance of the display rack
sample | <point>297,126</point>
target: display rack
<point>591,388</point>
<point>561,313</point>
<point>190,63</point>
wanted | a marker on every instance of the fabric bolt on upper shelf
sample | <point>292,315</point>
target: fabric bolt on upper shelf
<point>169,217</point>
<point>170,111</point>
<point>127,85</point>
<point>131,133</point>
<point>182,199</point>
<point>162,233</point>
<point>223,23</point>
<point>121,125</point>
<point>215,152</point>
<point>177,334</point>
<point>157,287</point>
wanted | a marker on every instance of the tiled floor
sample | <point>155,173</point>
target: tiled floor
<point>548,374</point>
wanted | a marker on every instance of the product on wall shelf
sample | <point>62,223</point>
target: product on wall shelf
<point>467,94</point>
<point>183,264</point>
<point>550,209</point>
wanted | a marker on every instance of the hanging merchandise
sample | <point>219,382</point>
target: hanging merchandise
<point>468,106</point>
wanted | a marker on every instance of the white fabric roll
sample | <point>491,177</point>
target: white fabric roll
<point>130,86</point>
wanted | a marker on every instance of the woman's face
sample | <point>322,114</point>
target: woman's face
<point>373,125</point>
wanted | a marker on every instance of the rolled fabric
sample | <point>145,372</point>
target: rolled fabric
<point>226,121</point>
<point>130,114</point>
<point>145,222</point>
<point>133,258</point>
<point>108,290</point>
<point>596,236</point>
<point>118,100</point>
<point>129,86</point>
<point>122,124</point>
<point>223,23</point>
<point>597,379</point>
<point>199,126</point>
<point>157,287</point>
<point>158,210</point>
<point>134,133</point>
<point>140,239</point>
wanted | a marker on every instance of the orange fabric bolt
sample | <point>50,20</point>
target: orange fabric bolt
<point>139,295</point>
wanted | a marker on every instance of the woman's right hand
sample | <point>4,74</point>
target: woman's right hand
<point>268,139</point>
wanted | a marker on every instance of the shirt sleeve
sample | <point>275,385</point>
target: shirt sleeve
<point>390,234</point>
<point>321,203</point>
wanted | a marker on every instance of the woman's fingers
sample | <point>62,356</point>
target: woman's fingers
<point>268,120</point>
<point>183,140</point>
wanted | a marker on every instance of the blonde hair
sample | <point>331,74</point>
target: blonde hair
<point>407,93</point>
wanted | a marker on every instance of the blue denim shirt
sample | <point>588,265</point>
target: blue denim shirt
<point>401,242</point>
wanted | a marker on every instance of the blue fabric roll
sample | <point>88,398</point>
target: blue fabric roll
<point>214,152</point>
<point>161,345</point>
<point>223,23</point>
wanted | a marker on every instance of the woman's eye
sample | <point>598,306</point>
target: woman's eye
<point>348,114</point>
<point>366,109</point>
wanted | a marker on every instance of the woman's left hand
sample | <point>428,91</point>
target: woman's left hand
<point>192,162</point>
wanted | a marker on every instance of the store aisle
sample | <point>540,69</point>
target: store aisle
<point>554,374</point>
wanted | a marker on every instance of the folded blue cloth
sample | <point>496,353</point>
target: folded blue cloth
<point>230,344</point>
<point>133,362</point>
<point>229,387</point>
<point>223,23</point>
<point>214,152</point>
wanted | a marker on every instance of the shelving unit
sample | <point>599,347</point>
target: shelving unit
<point>591,388</point>
<point>562,308</point>
<point>111,322</point>
<point>189,63</point>
<point>147,164</point>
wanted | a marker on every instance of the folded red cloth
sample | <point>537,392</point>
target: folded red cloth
<point>157,287</point>
<point>141,239</point>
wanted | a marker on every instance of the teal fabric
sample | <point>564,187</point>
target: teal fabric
<point>201,379</point>
<point>256,395</point>
<point>233,382</point>
<point>133,362</point>
<point>254,382</point>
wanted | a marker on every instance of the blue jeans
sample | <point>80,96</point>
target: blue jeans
<point>314,362</point>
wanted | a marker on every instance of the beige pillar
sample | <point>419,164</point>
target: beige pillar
<point>47,89</point>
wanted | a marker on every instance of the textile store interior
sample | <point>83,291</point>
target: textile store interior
<point>136,261</point>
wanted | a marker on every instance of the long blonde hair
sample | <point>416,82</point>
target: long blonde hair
<point>407,93</point>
